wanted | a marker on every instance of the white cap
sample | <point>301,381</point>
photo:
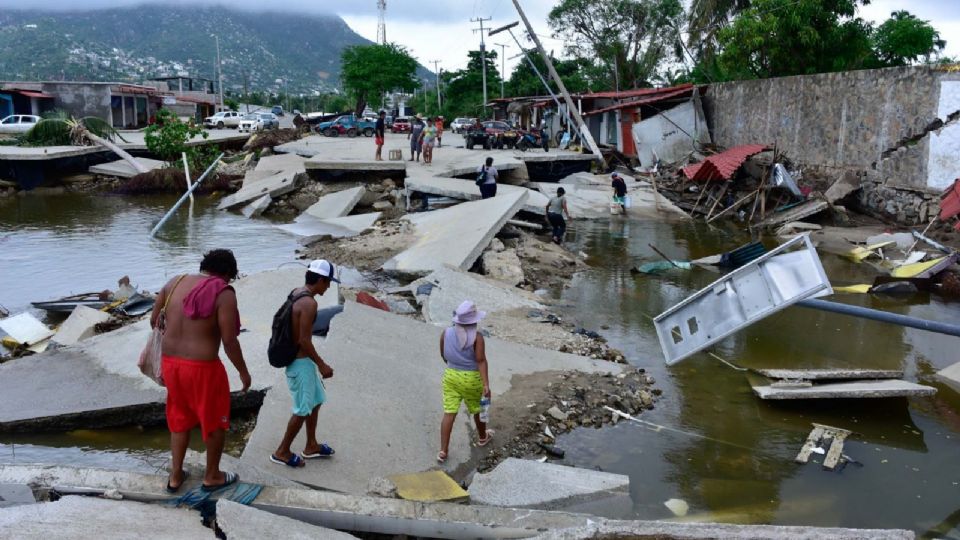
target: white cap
<point>325,269</point>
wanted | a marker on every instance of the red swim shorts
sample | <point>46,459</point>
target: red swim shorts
<point>198,393</point>
<point>378,140</point>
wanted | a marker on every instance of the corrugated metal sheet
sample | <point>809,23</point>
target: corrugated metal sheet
<point>638,92</point>
<point>950,204</point>
<point>655,98</point>
<point>722,166</point>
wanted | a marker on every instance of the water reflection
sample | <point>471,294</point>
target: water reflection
<point>907,452</point>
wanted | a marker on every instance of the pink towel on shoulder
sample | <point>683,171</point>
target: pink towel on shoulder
<point>201,301</point>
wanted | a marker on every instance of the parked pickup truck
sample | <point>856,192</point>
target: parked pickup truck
<point>223,119</point>
<point>348,125</point>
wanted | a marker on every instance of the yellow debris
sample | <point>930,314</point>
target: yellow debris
<point>430,486</point>
<point>859,253</point>
<point>853,289</point>
<point>911,270</point>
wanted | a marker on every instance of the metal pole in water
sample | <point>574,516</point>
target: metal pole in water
<point>882,316</point>
<point>186,171</point>
<point>185,195</point>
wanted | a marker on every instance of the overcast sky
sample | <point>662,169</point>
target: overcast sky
<point>441,29</point>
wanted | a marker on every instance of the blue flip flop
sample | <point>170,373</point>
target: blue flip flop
<point>229,479</point>
<point>325,452</point>
<point>295,461</point>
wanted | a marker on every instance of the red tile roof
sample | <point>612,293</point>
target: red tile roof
<point>722,166</point>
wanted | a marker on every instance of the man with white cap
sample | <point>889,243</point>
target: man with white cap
<point>306,388</point>
<point>465,379</point>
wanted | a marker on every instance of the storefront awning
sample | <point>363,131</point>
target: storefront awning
<point>30,93</point>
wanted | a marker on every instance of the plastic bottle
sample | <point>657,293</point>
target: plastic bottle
<point>484,409</point>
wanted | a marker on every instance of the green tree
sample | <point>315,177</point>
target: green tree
<point>168,137</point>
<point>705,19</point>
<point>774,38</point>
<point>630,38</point>
<point>523,80</point>
<point>463,89</point>
<point>370,71</point>
<point>904,39</point>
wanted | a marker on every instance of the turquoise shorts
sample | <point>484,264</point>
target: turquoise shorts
<point>306,387</point>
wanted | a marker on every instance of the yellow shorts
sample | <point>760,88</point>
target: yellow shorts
<point>460,386</point>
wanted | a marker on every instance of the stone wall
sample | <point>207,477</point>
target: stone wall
<point>894,128</point>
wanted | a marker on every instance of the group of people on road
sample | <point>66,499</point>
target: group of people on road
<point>198,313</point>
<point>424,136</point>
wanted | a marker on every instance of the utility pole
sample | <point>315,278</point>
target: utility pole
<point>219,70</point>
<point>574,112</point>
<point>246,92</point>
<point>436,68</point>
<point>483,57</point>
<point>503,66</point>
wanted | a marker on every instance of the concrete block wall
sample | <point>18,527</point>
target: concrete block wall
<point>894,127</point>
<point>81,100</point>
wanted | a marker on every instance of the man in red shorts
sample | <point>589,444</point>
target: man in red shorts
<point>200,314</point>
<point>379,132</point>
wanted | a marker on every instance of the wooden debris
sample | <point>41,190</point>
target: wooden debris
<point>819,435</point>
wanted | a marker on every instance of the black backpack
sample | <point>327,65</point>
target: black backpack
<point>282,350</point>
<point>482,176</point>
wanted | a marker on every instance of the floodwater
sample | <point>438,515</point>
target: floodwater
<point>731,458</point>
<point>728,454</point>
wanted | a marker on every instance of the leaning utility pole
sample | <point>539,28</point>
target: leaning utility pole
<point>503,65</point>
<point>219,70</point>
<point>436,68</point>
<point>483,58</point>
<point>574,112</point>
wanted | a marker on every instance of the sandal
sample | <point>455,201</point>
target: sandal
<point>294,461</point>
<point>229,478</point>
<point>325,452</point>
<point>484,441</point>
<point>441,456</point>
<point>171,490</point>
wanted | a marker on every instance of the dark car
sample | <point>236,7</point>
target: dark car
<point>277,110</point>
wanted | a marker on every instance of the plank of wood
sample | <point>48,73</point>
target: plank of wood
<point>815,435</point>
<point>819,374</point>
<point>723,192</point>
<point>836,450</point>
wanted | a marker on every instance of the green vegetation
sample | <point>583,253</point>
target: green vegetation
<point>168,139</point>
<point>370,71</point>
<point>61,130</point>
<point>463,89</point>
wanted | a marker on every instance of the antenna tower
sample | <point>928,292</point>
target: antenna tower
<point>382,22</point>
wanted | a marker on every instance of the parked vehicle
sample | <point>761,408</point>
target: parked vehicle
<point>223,119</point>
<point>277,110</point>
<point>503,134</point>
<point>400,125</point>
<point>18,123</point>
<point>474,135</point>
<point>460,124</point>
<point>388,121</point>
<point>258,122</point>
<point>348,125</point>
<point>533,139</point>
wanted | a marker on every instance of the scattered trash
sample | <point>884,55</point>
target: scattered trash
<point>25,329</point>
<point>820,434</point>
<point>552,450</point>
<point>547,432</point>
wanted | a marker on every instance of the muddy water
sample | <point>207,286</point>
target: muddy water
<point>733,461</point>
<point>731,456</point>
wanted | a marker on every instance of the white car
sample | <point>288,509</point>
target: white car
<point>258,122</point>
<point>460,123</point>
<point>18,123</point>
<point>223,119</point>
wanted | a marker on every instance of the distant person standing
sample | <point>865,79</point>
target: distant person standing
<point>199,313</point>
<point>439,126</point>
<point>416,128</point>
<point>306,387</point>
<point>556,208</point>
<point>428,138</point>
<point>465,378</point>
<point>488,184</point>
<point>379,133</point>
<point>619,191</point>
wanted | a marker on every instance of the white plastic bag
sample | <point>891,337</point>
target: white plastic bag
<point>151,360</point>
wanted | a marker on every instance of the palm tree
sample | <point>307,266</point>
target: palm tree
<point>706,18</point>
<point>60,130</point>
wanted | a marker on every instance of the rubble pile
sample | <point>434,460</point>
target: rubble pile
<point>569,401</point>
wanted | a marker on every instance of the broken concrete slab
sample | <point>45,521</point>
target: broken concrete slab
<point>526,483</point>
<point>821,374</point>
<point>15,495</point>
<point>453,286</point>
<point>859,389</point>
<point>338,166</point>
<point>845,185</point>
<point>82,518</point>
<point>25,329</point>
<point>503,266</point>
<point>121,169</point>
<point>401,429</point>
<point>667,530</point>
<point>589,197</point>
<point>281,162</point>
<point>80,325</point>
<point>96,384</point>
<point>335,205</point>
<point>196,463</point>
<point>311,228</point>
<point>797,213</point>
<point>950,376</point>
<point>257,207</point>
<point>455,236</point>
<point>276,185</point>
<point>429,486</point>
<point>241,522</point>
<point>467,190</point>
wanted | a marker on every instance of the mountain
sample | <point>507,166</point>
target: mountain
<point>154,40</point>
